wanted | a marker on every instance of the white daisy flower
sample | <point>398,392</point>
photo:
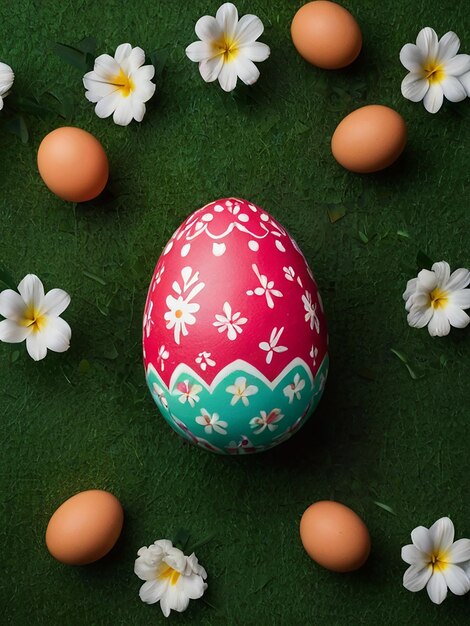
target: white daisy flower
<point>188,393</point>
<point>434,69</point>
<point>271,347</point>
<point>437,299</point>
<point>241,391</point>
<point>228,47</point>
<point>436,562</point>
<point>33,316</point>
<point>211,422</point>
<point>229,323</point>
<point>120,86</point>
<point>6,81</point>
<point>171,578</point>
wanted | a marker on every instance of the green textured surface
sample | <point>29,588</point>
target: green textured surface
<point>379,435</point>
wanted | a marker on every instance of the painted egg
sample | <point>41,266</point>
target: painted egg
<point>235,338</point>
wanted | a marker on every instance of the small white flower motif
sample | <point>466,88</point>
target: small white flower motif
<point>271,347</point>
<point>266,289</point>
<point>266,420</point>
<point>180,309</point>
<point>163,354</point>
<point>289,273</point>
<point>171,577</point>
<point>310,311</point>
<point>293,390</point>
<point>158,391</point>
<point>158,277</point>
<point>188,392</point>
<point>203,359</point>
<point>438,299</point>
<point>231,324</point>
<point>241,391</point>
<point>436,561</point>
<point>314,354</point>
<point>212,422</point>
<point>148,321</point>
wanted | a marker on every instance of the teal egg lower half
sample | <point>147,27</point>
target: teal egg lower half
<point>241,412</point>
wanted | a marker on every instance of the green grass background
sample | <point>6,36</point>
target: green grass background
<point>85,419</point>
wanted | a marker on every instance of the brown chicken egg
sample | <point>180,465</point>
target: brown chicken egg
<point>73,164</point>
<point>326,35</point>
<point>369,139</point>
<point>334,536</point>
<point>85,527</point>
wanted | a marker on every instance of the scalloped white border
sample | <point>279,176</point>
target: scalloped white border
<point>239,364</point>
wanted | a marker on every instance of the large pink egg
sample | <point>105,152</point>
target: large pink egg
<point>235,339</point>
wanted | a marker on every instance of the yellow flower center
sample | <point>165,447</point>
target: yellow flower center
<point>34,319</point>
<point>226,46</point>
<point>124,82</point>
<point>168,572</point>
<point>438,561</point>
<point>434,72</point>
<point>439,299</point>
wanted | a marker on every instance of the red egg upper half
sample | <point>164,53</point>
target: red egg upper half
<point>232,285</point>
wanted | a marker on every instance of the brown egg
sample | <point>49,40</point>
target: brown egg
<point>334,536</point>
<point>369,139</point>
<point>73,164</point>
<point>85,527</point>
<point>326,35</point>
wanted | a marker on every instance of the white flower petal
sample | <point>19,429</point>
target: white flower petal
<point>414,87</point>
<point>437,587</point>
<point>442,271</point>
<point>7,78</point>
<point>413,556</point>
<point>442,533</point>
<point>55,302</point>
<point>122,53</point>
<point>227,17</point>
<point>419,317</point>
<point>97,88</point>
<point>249,28</point>
<point>1,103</point>
<point>246,70</point>
<point>415,579</point>
<point>153,590</point>
<point>459,552</point>
<point>145,570</point>
<point>36,346</point>
<point>427,42</point>
<point>411,57</point>
<point>31,290</point>
<point>106,67</point>
<point>459,65</point>
<point>146,72</point>
<point>439,325</point>
<point>228,76</point>
<point>411,287</point>
<point>427,280</point>
<point>453,89</point>
<point>434,98</point>
<point>465,80</point>
<point>208,29</point>
<point>144,90</point>
<point>461,298</point>
<point>256,51</point>
<point>457,318</point>
<point>11,332</point>
<point>456,579</point>
<point>138,109</point>
<point>458,279</point>
<point>211,68</point>
<point>193,586</point>
<point>448,47</point>
<point>56,335</point>
<point>199,51</point>
<point>11,304</point>
<point>421,537</point>
<point>107,105</point>
<point>135,60</point>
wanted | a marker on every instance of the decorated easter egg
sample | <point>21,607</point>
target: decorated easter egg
<point>235,338</point>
